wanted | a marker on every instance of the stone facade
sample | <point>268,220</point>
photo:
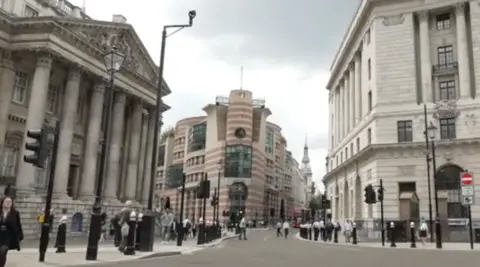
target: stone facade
<point>271,168</point>
<point>401,56</point>
<point>52,68</point>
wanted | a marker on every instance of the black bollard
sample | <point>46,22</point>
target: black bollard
<point>354,233</point>
<point>412,235</point>
<point>316,232</point>
<point>335,235</point>
<point>60,242</point>
<point>309,232</point>
<point>138,230</point>
<point>201,234</point>
<point>132,223</point>
<point>392,235</point>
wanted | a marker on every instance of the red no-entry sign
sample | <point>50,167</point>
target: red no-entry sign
<point>466,178</point>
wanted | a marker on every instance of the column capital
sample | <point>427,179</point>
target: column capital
<point>99,87</point>
<point>44,60</point>
<point>120,97</point>
<point>74,74</point>
<point>459,9</point>
<point>423,15</point>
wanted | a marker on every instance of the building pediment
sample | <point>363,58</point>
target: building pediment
<point>92,37</point>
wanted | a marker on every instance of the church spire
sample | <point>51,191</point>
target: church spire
<point>307,170</point>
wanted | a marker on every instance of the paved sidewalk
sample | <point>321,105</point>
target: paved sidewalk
<point>75,255</point>
<point>403,245</point>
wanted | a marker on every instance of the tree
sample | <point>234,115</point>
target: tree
<point>282,210</point>
<point>315,203</point>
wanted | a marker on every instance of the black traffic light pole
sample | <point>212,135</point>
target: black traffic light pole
<point>147,235</point>
<point>44,236</point>
<point>181,229</point>
<point>382,219</point>
<point>438,227</point>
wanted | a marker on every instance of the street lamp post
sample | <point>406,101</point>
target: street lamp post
<point>217,199</point>
<point>427,158</point>
<point>113,62</point>
<point>432,132</point>
<point>147,236</point>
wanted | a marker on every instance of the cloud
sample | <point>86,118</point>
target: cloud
<point>284,46</point>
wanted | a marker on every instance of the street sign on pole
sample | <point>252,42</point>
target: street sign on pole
<point>467,188</point>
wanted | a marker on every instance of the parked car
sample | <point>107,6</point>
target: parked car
<point>295,225</point>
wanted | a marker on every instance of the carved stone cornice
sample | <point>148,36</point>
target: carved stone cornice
<point>393,20</point>
<point>446,109</point>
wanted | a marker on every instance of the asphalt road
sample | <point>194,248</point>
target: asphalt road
<point>264,249</point>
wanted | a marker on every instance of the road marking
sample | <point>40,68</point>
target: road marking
<point>266,238</point>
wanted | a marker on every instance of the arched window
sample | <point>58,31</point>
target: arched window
<point>9,154</point>
<point>448,179</point>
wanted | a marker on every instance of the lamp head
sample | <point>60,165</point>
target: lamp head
<point>432,131</point>
<point>191,15</point>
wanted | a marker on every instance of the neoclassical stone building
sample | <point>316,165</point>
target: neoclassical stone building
<point>52,68</point>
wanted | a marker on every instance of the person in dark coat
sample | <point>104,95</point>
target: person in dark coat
<point>11,233</point>
<point>60,241</point>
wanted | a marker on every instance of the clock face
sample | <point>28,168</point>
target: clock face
<point>240,133</point>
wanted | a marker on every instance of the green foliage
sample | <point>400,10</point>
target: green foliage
<point>315,203</point>
<point>167,133</point>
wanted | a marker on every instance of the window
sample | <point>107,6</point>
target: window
<point>269,141</point>
<point>8,161</point>
<point>443,21</point>
<point>367,36</point>
<point>30,12</point>
<point>20,87</point>
<point>174,176</point>
<point>407,187</point>
<point>404,131</point>
<point>238,161</point>
<point>358,144</point>
<point>445,57</point>
<point>346,153</point>
<point>447,90</point>
<point>369,136</point>
<point>447,128</point>
<point>197,137</point>
<point>370,104</point>
<point>52,98</point>
<point>351,148</point>
<point>369,69</point>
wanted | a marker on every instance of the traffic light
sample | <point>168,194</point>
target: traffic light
<point>39,148</point>
<point>370,195</point>
<point>325,203</point>
<point>380,193</point>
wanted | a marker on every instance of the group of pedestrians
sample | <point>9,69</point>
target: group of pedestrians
<point>283,227</point>
<point>325,230</point>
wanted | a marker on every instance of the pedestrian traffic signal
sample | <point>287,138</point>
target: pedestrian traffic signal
<point>370,195</point>
<point>39,148</point>
<point>380,193</point>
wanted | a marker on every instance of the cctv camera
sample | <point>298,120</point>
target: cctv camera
<point>191,15</point>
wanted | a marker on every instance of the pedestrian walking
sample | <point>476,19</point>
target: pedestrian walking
<point>286,228</point>
<point>11,233</point>
<point>423,231</point>
<point>279,229</point>
<point>316,230</point>
<point>167,220</point>
<point>323,235</point>
<point>243,229</point>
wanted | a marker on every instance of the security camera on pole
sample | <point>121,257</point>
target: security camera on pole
<point>147,236</point>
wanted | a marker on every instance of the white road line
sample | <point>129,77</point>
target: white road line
<point>266,238</point>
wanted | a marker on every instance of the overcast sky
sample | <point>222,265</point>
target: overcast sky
<point>285,47</point>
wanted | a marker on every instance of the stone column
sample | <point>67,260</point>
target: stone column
<point>426,63</point>
<point>67,125</point>
<point>133,153</point>
<point>35,117</point>
<point>342,112</point>
<point>141,160</point>
<point>148,157</point>
<point>462,50</point>
<point>338,116</point>
<point>7,81</point>
<point>331,129</point>
<point>352,98</point>
<point>358,88</point>
<point>116,144</point>
<point>346,104</point>
<point>92,142</point>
